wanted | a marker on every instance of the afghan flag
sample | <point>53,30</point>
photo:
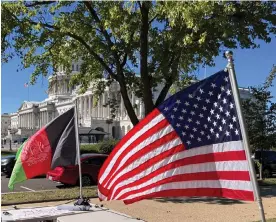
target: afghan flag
<point>53,145</point>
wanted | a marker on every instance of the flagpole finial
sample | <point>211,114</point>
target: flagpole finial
<point>229,56</point>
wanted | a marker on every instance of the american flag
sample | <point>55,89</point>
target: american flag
<point>26,85</point>
<point>191,145</point>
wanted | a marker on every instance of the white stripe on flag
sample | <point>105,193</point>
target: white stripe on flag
<point>101,196</point>
<point>143,159</point>
<point>163,132</point>
<point>193,168</point>
<point>228,184</point>
<point>148,126</point>
<point>213,148</point>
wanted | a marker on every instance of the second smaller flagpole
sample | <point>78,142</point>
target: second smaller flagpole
<point>78,145</point>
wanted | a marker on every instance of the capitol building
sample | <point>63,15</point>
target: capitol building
<point>31,115</point>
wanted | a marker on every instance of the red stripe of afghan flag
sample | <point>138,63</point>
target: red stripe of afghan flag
<point>53,145</point>
<point>151,161</point>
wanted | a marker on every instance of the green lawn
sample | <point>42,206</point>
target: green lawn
<point>59,194</point>
<point>269,220</point>
<point>268,182</point>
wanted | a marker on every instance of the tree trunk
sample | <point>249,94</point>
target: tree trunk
<point>146,84</point>
<point>129,108</point>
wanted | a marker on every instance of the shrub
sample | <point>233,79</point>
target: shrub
<point>102,147</point>
<point>107,146</point>
<point>89,148</point>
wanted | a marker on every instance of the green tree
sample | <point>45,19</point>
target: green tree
<point>260,115</point>
<point>137,44</point>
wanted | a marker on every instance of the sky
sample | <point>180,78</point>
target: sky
<point>252,67</point>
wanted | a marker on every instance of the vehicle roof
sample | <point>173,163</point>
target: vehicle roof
<point>266,151</point>
<point>86,155</point>
<point>8,157</point>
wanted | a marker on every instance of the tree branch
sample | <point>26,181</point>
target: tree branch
<point>104,32</point>
<point>153,19</point>
<point>139,3</point>
<point>32,4</point>
<point>173,63</point>
<point>127,49</point>
<point>51,28</point>
<point>94,54</point>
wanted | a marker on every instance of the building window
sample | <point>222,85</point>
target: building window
<point>77,69</point>
<point>73,67</point>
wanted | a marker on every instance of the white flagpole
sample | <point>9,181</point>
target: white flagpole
<point>233,81</point>
<point>78,146</point>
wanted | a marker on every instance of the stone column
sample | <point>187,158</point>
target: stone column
<point>33,121</point>
<point>104,103</point>
<point>93,108</point>
<point>89,106</point>
<point>99,108</point>
<point>80,104</point>
<point>85,107</point>
<point>109,98</point>
<point>122,107</point>
<point>38,119</point>
<point>30,121</point>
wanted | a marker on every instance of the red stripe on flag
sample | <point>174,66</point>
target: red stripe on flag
<point>206,192</point>
<point>214,175</point>
<point>138,127</point>
<point>103,190</point>
<point>36,155</point>
<point>147,164</point>
<point>155,129</point>
<point>167,138</point>
<point>204,158</point>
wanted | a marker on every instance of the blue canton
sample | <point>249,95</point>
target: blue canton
<point>204,113</point>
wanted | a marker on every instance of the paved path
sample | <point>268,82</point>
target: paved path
<point>194,210</point>
<point>191,210</point>
<point>29,185</point>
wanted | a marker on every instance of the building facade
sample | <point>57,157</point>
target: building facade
<point>5,124</point>
<point>31,115</point>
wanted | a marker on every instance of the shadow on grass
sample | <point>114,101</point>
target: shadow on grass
<point>65,186</point>
<point>267,190</point>
<point>207,200</point>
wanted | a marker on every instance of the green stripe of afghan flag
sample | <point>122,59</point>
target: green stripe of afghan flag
<point>18,174</point>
